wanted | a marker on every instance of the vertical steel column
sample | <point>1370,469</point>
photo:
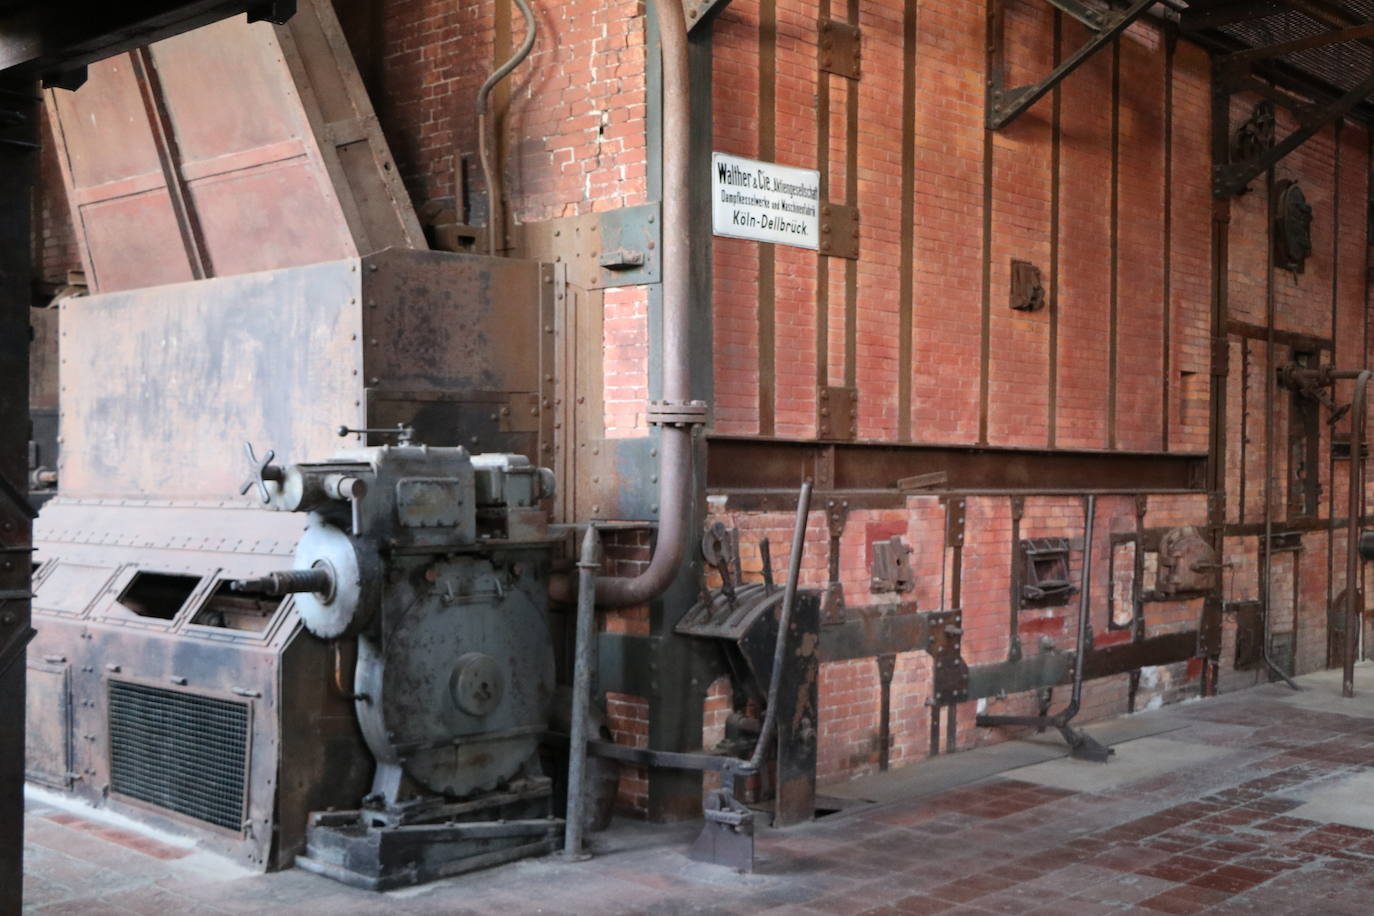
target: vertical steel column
<point>18,142</point>
<point>1354,515</point>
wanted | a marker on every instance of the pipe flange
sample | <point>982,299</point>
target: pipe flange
<point>677,413</point>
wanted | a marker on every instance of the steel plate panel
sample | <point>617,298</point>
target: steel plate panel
<point>247,147</point>
<point>69,588</point>
<point>49,745</point>
<point>104,130</point>
<point>268,218</point>
<point>133,241</point>
<point>222,85</point>
<point>274,355</point>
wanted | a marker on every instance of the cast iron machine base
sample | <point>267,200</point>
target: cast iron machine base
<point>379,851</point>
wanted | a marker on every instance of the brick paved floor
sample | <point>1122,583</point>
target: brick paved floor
<point>1224,834</point>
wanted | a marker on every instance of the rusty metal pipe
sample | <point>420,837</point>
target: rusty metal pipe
<point>1354,513</point>
<point>584,663</point>
<point>486,134</point>
<point>675,442</point>
<point>1270,394</point>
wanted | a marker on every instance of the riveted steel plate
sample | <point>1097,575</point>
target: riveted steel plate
<point>840,231</point>
<point>838,48</point>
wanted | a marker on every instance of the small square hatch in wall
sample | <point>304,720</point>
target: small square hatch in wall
<point>1045,575</point>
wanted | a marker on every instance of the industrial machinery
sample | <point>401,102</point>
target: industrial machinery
<point>438,563</point>
<point>174,678</point>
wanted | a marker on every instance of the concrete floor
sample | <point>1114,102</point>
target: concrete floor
<point>1257,802</point>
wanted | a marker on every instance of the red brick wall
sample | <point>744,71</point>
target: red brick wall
<point>55,246</point>
<point>1162,347</point>
<point>576,136</point>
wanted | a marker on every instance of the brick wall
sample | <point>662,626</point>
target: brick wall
<point>56,250</point>
<point>1120,359</point>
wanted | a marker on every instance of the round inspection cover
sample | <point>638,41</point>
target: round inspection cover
<point>477,683</point>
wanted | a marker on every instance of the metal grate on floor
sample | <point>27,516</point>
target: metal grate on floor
<point>181,751</point>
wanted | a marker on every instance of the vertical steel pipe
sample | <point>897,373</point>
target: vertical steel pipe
<point>1084,611</point>
<point>486,136</point>
<point>584,662</point>
<point>675,442</point>
<point>1354,514</point>
<point>1270,396</point>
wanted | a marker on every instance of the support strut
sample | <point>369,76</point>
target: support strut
<point>1081,746</point>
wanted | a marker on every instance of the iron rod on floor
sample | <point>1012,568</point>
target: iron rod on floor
<point>584,660</point>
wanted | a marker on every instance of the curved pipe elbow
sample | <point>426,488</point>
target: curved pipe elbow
<point>675,472</point>
<point>675,445</point>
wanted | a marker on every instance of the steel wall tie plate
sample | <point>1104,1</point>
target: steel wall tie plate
<point>839,48</point>
<point>840,231</point>
<point>838,412</point>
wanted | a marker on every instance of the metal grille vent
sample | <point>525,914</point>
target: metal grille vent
<point>180,751</point>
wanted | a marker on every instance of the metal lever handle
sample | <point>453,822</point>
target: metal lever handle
<point>261,472</point>
<point>402,432</point>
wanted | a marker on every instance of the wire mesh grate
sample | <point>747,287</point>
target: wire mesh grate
<point>180,751</point>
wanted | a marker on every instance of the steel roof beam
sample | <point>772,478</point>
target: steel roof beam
<point>1201,18</point>
<point>1231,178</point>
<point>1005,105</point>
<point>48,41</point>
<point>1337,36</point>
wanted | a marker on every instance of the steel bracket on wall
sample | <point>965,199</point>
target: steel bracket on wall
<point>699,11</point>
<point>840,47</point>
<point>1005,104</point>
<point>840,231</point>
<point>1241,163</point>
<point>838,412</point>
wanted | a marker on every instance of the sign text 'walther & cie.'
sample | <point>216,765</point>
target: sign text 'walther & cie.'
<point>764,201</point>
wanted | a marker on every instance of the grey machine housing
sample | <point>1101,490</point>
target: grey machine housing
<point>437,562</point>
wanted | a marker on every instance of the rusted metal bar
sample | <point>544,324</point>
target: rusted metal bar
<point>169,159</point>
<point>789,598</point>
<point>1080,11</point>
<point>1230,179</point>
<point>1081,746</point>
<point>1005,105</point>
<point>1354,511</point>
<point>18,167</point>
<point>739,463</point>
<point>887,666</point>
<point>584,662</point>
<point>1269,396</point>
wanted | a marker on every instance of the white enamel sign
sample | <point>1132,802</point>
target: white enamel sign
<point>764,201</point>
